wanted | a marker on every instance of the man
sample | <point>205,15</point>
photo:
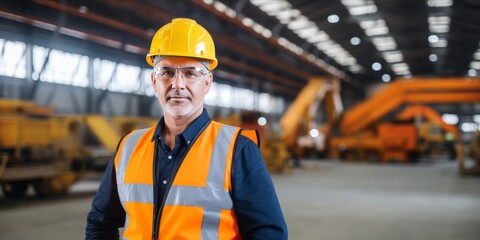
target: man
<point>188,177</point>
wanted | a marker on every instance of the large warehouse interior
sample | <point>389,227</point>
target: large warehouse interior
<point>366,114</point>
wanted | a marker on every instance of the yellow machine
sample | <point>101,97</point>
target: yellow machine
<point>273,150</point>
<point>36,148</point>
<point>50,152</point>
<point>362,135</point>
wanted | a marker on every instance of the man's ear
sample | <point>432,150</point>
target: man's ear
<point>208,82</point>
<point>152,79</point>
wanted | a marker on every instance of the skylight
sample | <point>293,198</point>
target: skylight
<point>439,26</point>
<point>440,3</point>
<point>376,28</point>
<point>308,30</point>
<point>393,56</point>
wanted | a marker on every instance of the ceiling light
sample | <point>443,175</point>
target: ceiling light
<point>304,28</point>
<point>439,20</point>
<point>285,16</point>
<point>433,57</point>
<point>472,72</point>
<point>347,61</point>
<point>307,32</point>
<point>384,43</point>
<point>476,55</point>
<point>469,127</point>
<point>333,18</point>
<point>439,24</point>
<point>355,41</point>
<point>374,27</point>
<point>400,68</point>
<point>324,46</point>
<point>247,21</point>
<point>319,36</point>
<point>386,78</point>
<point>231,13</point>
<point>267,33</point>
<point>475,65</point>
<point>432,38</point>
<point>362,10</point>
<point>314,132</point>
<point>83,9</point>
<point>439,28</point>
<point>476,118</point>
<point>376,66</point>
<point>393,56</point>
<point>272,7</point>
<point>258,28</point>
<point>219,6</point>
<point>450,119</point>
<point>299,23</point>
<point>355,68</point>
<point>440,3</point>
<point>262,121</point>
<point>375,31</point>
<point>442,42</point>
<point>360,7</point>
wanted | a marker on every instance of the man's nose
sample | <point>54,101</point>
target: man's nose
<point>178,80</point>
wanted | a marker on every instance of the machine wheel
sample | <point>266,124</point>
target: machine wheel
<point>14,189</point>
<point>49,187</point>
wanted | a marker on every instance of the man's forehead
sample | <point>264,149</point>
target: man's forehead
<point>179,61</point>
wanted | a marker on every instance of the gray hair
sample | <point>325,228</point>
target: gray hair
<point>157,59</point>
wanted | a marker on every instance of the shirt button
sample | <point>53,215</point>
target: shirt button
<point>170,157</point>
<point>188,142</point>
<point>164,182</point>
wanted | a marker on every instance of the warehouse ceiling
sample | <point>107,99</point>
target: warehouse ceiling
<point>271,45</point>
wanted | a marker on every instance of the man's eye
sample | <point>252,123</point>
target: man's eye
<point>167,73</point>
<point>190,73</point>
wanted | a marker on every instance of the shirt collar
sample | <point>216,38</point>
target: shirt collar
<point>190,132</point>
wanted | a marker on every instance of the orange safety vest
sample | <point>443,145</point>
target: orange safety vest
<point>198,205</point>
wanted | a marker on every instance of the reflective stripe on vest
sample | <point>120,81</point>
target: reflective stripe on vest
<point>213,198</point>
<point>136,192</point>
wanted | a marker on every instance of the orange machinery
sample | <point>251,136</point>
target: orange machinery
<point>298,121</point>
<point>362,136</point>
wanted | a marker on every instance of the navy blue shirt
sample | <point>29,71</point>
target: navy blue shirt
<point>254,199</point>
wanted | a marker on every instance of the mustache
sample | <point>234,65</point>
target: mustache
<point>178,93</point>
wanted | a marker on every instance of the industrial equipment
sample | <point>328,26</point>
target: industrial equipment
<point>49,152</point>
<point>434,136</point>
<point>274,151</point>
<point>363,135</point>
<point>105,134</point>
<point>301,131</point>
<point>38,149</point>
<point>472,169</point>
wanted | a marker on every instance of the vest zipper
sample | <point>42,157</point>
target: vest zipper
<point>158,215</point>
<point>155,192</point>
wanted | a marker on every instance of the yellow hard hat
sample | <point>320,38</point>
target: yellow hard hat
<point>183,37</point>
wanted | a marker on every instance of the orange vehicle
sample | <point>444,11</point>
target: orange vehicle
<point>301,132</point>
<point>364,135</point>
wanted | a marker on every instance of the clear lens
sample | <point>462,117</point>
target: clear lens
<point>190,74</point>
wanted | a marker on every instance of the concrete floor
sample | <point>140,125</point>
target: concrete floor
<point>322,200</point>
